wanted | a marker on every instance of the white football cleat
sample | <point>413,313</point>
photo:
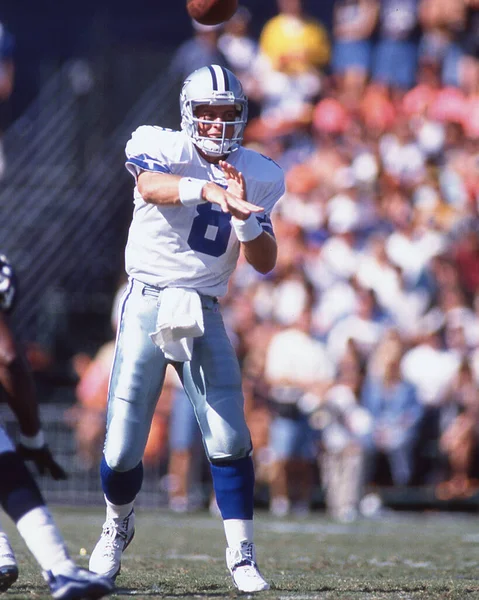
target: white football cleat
<point>114,540</point>
<point>244,570</point>
<point>8,564</point>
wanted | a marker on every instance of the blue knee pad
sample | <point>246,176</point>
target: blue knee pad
<point>233,483</point>
<point>121,487</point>
<point>19,492</point>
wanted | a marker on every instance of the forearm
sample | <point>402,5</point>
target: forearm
<point>164,189</point>
<point>17,381</point>
<point>20,394</point>
<point>160,189</point>
<point>261,253</point>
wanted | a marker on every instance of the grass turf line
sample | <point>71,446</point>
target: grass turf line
<point>402,556</point>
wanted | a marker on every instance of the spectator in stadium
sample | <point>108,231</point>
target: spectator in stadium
<point>395,51</point>
<point>185,455</point>
<point>466,255</point>
<point>20,495</point>
<point>288,72</point>
<point>354,22</point>
<point>255,389</point>
<point>199,50</point>
<point>237,44</point>
<point>443,24</point>
<point>459,438</point>
<point>87,416</point>
<point>241,50</point>
<point>404,161</point>
<point>343,427</point>
<point>396,415</point>
<point>430,368</point>
<point>292,41</point>
<point>296,365</point>
<point>469,43</point>
<point>330,129</point>
<point>403,307</point>
<point>365,327</point>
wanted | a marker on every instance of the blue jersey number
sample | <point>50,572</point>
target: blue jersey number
<point>210,231</point>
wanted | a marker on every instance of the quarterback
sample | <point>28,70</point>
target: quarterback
<point>200,199</point>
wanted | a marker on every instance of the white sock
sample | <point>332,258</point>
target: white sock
<point>43,538</point>
<point>237,531</point>
<point>118,511</point>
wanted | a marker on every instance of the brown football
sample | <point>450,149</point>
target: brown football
<point>211,12</point>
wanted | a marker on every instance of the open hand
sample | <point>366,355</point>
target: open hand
<point>235,180</point>
<point>233,199</point>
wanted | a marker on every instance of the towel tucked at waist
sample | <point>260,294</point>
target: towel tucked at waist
<point>179,320</point>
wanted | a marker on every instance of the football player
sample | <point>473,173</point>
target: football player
<point>20,496</point>
<point>200,199</point>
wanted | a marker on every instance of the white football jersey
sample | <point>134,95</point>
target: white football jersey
<point>191,247</point>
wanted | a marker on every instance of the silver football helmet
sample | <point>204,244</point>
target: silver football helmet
<point>218,86</point>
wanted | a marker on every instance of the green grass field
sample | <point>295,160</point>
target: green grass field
<point>401,556</point>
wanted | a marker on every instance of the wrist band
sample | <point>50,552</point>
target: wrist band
<point>190,191</point>
<point>247,230</point>
<point>34,442</point>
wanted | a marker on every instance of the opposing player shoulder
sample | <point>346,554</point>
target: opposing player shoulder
<point>264,177</point>
<point>153,148</point>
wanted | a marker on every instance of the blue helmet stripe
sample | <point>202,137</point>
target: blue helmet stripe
<point>227,81</point>
<point>215,80</point>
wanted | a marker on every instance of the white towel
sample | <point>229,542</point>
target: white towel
<point>179,320</point>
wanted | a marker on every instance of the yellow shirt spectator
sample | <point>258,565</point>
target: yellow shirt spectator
<point>294,44</point>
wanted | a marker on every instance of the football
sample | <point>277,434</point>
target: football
<point>211,12</point>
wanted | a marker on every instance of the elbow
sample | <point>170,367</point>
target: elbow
<point>265,265</point>
<point>268,261</point>
<point>265,268</point>
<point>146,192</point>
<point>147,185</point>
<point>262,257</point>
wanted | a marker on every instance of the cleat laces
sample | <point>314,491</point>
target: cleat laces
<point>115,538</point>
<point>242,565</point>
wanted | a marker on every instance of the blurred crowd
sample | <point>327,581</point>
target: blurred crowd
<point>360,351</point>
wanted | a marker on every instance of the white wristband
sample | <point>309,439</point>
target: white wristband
<point>247,230</point>
<point>33,442</point>
<point>190,191</point>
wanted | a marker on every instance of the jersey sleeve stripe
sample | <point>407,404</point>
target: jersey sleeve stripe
<point>147,164</point>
